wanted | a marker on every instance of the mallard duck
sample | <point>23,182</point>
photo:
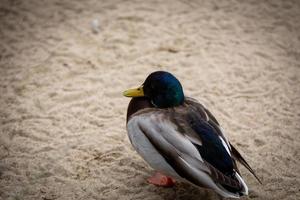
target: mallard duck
<point>180,138</point>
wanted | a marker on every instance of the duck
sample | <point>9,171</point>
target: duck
<point>181,139</point>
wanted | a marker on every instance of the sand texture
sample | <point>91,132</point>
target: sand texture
<point>64,65</point>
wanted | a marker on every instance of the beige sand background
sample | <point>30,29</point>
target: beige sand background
<point>62,114</point>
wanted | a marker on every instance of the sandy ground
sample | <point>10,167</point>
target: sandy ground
<point>62,113</point>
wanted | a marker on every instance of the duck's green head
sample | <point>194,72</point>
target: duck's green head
<point>162,88</point>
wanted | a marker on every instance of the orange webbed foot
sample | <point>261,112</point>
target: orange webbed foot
<point>161,180</point>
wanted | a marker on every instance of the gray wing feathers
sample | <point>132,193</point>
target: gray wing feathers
<point>181,161</point>
<point>161,130</point>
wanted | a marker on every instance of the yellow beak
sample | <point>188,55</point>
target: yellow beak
<point>137,92</point>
